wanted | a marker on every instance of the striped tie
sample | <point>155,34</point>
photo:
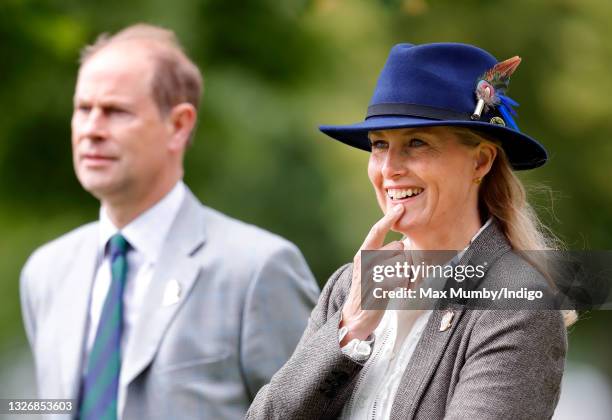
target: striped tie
<point>99,392</point>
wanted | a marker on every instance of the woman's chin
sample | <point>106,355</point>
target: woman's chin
<point>404,226</point>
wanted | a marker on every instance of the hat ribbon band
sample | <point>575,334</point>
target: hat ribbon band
<point>412,110</point>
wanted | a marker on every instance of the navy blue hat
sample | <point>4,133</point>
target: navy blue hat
<point>434,85</point>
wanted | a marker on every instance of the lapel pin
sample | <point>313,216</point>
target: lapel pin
<point>446,321</point>
<point>172,293</point>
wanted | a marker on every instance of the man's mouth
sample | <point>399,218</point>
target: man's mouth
<point>96,156</point>
<point>97,160</point>
<point>399,194</point>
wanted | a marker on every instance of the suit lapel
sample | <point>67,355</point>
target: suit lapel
<point>74,306</point>
<point>488,246</point>
<point>174,268</point>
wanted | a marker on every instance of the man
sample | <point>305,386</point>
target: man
<point>163,308</point>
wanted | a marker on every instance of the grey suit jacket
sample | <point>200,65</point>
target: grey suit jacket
<point>490,364</point>
<point>245,299</point>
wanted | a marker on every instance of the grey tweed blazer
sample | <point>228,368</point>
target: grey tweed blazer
<point>490,364</point>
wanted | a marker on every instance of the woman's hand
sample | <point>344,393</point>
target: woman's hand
<point>360,322</point>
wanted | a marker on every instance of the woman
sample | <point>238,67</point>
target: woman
<point>443,146</point>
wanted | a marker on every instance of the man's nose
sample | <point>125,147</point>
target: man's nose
<point>94,125</point>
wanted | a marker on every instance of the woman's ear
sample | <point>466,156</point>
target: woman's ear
<point>181,120</point>
<point>484,158</point>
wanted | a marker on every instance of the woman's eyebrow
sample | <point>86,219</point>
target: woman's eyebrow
<point>405,133</point>
<point>417,133</point>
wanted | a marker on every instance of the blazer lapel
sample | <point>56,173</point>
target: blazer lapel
<point>488,246</point>
<point>74,306</point>
<point>175,270</point>
<point>423,363</point>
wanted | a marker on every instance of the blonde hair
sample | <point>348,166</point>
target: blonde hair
<point>176,78</point>
<point>503,196</point>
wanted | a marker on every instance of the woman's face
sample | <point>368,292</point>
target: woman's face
<point>429,172</point>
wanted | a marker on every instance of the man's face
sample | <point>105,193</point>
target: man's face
<point>119,137</point>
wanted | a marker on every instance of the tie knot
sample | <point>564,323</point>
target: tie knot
<point>117,246</point>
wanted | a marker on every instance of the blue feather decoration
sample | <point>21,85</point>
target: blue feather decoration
<point>490,90</point>
<point>505,108</point>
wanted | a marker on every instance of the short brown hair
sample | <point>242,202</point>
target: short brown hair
<point>176,78</point>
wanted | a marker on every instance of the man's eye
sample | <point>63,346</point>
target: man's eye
<point>378,144</point>
<point>416,143</point>
<point>114,110</point>
<point>83,108</point>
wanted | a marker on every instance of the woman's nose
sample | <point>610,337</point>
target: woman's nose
<point>394,164</point>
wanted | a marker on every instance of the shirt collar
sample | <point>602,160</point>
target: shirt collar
<point>147,232</point>
<point>407,242</point>
<point>488,222</point>
<point>460,254</point>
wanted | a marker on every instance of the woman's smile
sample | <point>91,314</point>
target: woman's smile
<point>403,194</point>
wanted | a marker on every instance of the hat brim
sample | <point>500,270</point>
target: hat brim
<point>523,152</point>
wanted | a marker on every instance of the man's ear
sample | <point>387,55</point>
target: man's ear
<point>484,158</point>
<point>181,121</point>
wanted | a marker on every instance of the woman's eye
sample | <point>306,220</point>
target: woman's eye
<point>416,143</point>
<point>378,144</point>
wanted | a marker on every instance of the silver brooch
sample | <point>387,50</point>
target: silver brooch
<point>447,320</point>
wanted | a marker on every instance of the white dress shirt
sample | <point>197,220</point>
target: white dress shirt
<point>146,235</point>
<point>386,355</point>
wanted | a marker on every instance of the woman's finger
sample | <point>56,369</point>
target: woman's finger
<point>393,246</point>
<point>376,236</point>
<point>394,249</point>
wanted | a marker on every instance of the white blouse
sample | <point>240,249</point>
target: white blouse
<point>396,338</point>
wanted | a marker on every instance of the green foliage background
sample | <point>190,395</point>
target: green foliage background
<point>273,72</point>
